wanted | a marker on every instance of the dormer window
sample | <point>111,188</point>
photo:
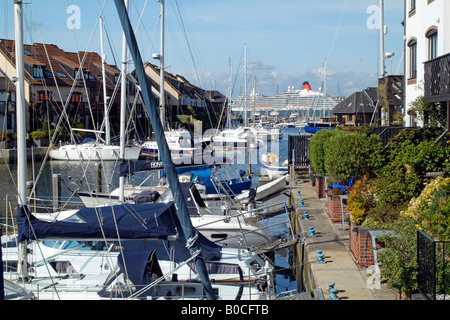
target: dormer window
<point>88,76</point>
<point>61,74</point>
<point>38,73</point>
<point>79,75</point>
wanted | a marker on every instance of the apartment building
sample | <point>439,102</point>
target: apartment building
<point>427,44</point>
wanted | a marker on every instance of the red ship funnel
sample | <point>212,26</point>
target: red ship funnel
<point>306,86</point>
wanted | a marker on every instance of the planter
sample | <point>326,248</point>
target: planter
<point>320,186</point>
<point>361,246</point>
<point>334,208</point>
<point>42,142</point>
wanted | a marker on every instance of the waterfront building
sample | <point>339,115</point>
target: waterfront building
<point>427,48</point>
<point>360,108</point>
<point>56,80</point>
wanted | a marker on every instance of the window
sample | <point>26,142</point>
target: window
<point>432,44</point>
<point>76,97</point>
<point>37,73</point>
<point>43,96</point>
<point>412,5</point>
<point>412,59</point>
<point>61,75</point>
<point>48,74</point>
<point>27,52</point>
<point>79,75</point>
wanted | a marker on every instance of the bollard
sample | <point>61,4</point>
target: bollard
<point>301,203</point>
<point>298,193</point>
<point>305,215</point>
<point>312,232</point>
<point>320,257</point>
<point>334,295</point>
<point>330,287</point>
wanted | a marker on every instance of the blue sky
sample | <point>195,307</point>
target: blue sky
<point>287,40</point>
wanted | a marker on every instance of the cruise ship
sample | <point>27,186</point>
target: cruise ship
<point>304,104</point>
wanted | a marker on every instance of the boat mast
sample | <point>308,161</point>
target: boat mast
<point>229,92</point>
<point>123,103</point>
<point>382,56</point>
<point>190,233</point>
<point>21,129</point>
<point>105,98</point>
<point>245,85</point>
<point>161,70</point>
<point>160,57</point>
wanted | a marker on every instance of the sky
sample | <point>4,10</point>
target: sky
<point>287,41</point>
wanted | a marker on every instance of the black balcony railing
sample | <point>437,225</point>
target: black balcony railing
<point>437,79</point>
<point>433,267</point>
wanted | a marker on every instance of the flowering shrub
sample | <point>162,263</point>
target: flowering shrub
<point>360,201</point>
<point>431,209</point>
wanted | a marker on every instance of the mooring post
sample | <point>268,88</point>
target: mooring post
<point>56,185</point>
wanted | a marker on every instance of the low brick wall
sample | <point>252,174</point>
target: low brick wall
<point>334,209</point>
<point>320,187</point>
<point>361,246</point>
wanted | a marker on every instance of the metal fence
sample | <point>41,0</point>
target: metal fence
<point>298,147</point>
<point>433,262</point>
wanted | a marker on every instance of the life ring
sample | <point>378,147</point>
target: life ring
<point>272,158</point>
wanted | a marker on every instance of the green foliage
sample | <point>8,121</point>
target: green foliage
<point>435,113</point>
<point>351,154</point>
<point>39,135</point>
<point>430,211</point>
<point>398,260</point>
<point>6,135</point>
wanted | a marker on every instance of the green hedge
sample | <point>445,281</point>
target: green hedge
<point>341,155</point>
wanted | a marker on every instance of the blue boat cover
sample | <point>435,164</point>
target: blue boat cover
<point>32,228</point>
<point>136,223</point>
<point>234,186</point>
<point>139,267</point>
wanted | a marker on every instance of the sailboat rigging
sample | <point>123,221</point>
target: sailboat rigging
<point>172,177</point>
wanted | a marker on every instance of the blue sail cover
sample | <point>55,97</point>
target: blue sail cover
<point>31,228</point>
<point>136,222</point>
<point>139,267</point>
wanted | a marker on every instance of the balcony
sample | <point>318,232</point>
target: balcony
<point>437,79</point>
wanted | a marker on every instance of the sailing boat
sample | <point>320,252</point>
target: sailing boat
<point>132,230</point>
<point>98,149</point>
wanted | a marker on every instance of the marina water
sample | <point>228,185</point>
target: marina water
<point>82,176</point>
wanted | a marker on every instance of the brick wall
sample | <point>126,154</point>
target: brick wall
<point>361,246</point>
<point>320,186</point>
<point>334,209</point>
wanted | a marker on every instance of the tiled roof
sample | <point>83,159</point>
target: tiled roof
<point>358,102</point>
<point>64,64</point>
